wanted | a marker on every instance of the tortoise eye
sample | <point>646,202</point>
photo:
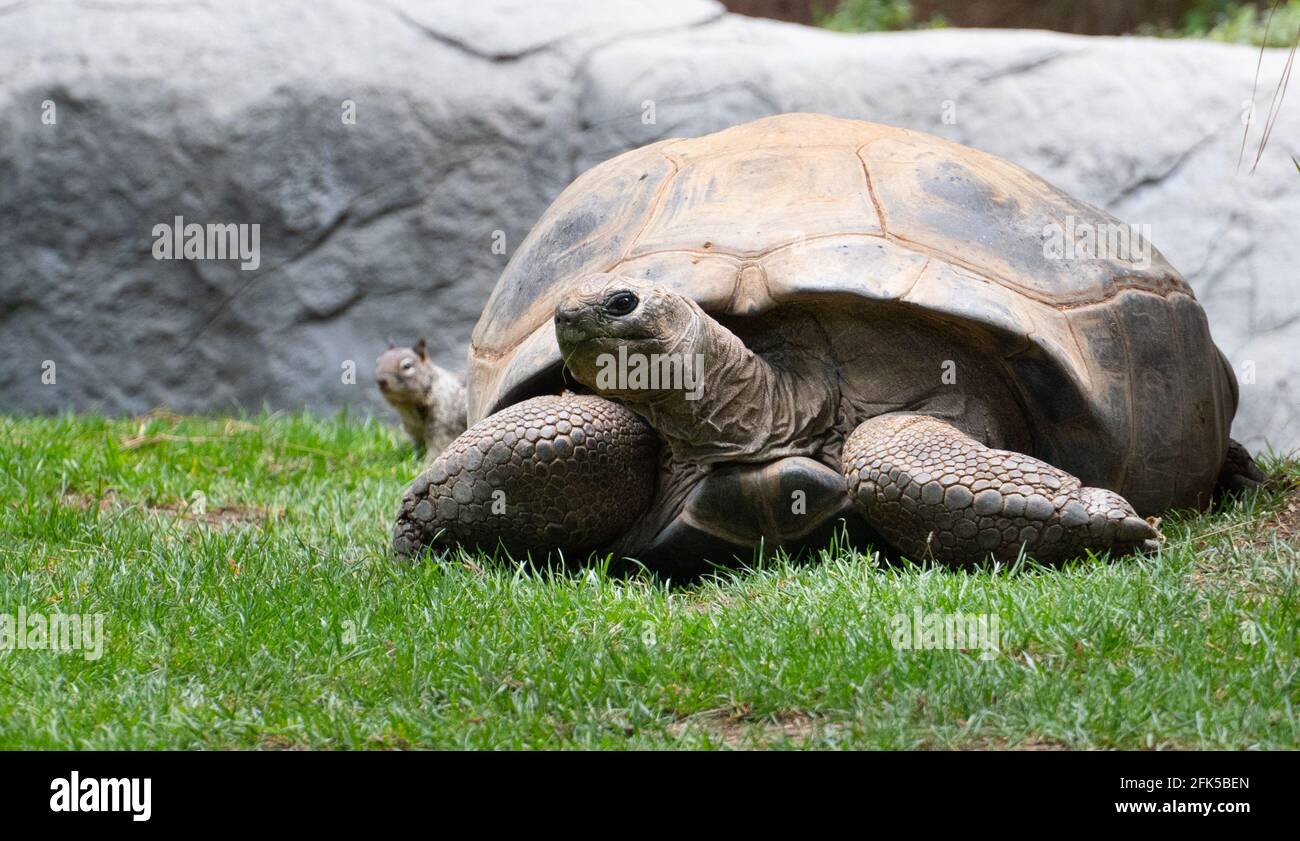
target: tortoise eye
<point>621,303</point>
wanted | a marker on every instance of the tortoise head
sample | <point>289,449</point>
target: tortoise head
<point>696,383</point>
<point>607,320</point>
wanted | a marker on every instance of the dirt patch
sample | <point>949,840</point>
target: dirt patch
<point>738,728</point>
<point>277,742</point>
<point>1033,743</point>
<point>389,741</point>
<point>1284,524</point>
<point>195,511</point>
<point>719,604</point>
<point>221,515</point>
<point>1237,555</point>
<point>85,502</point>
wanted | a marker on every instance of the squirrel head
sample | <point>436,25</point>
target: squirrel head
<point>405,375</point>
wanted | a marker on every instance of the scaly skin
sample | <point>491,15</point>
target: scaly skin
<point>1239,472</point>
<point>574,472</point>
<point>936,493</point>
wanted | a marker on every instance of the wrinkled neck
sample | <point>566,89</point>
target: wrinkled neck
<point>742,407</point>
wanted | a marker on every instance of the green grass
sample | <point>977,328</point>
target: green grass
<point>275,618</point>
<point>871,16</point>
<point>1231,21</point>
<point>1235,22</point>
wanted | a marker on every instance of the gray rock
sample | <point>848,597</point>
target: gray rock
<point>470,118</point>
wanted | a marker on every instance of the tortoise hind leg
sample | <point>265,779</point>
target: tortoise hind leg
<point>569,473</point>
<point>1239,472</point>
<point>936,493</point>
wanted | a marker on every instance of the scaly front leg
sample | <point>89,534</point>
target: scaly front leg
<point>571,472</point>
<point>936,493</point>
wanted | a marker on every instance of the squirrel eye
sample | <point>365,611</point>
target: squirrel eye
<point>407,365</point>
<point>621,303</point>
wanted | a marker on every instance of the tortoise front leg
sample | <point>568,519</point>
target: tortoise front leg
<point>936,493</point>
<point>571,472</point>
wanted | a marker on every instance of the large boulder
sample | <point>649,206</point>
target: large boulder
<point>469,120</point>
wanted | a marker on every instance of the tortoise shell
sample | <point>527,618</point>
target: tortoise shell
<point>1111,360</point>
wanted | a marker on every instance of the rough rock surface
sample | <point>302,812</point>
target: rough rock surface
<point>470,118</point>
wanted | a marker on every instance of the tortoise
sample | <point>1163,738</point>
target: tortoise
<point>743,341</point>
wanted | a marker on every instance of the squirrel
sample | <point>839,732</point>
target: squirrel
<point>430,399</point>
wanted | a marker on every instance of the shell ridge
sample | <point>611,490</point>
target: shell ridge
<point>1119,283</point>
<point>1124,464</point>
<point>655,207</point>
<point>871,190</point>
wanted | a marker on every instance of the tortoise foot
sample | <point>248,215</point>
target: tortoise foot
<point>1239,472</point>
<point>568,473</point>
<point>938,494</point>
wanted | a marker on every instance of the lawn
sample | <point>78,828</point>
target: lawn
<point>248,600</point>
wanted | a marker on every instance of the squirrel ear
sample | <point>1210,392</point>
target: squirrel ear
<point>391,344</point>
<point>420,348</point>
